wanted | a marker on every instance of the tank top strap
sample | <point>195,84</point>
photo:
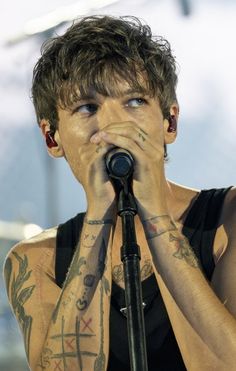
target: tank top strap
<point>201,225</point>
<point>68,235</point>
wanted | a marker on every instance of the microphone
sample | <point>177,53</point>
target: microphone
<point>119,163</point>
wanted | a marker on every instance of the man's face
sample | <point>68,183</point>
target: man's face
<point>90,114</point>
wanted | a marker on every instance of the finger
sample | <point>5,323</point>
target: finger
<point>139,136</point>
<point>121,141</point>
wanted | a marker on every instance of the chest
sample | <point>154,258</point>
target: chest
<point>146,267</point>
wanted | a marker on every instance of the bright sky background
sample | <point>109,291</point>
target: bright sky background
<point>37,189</point>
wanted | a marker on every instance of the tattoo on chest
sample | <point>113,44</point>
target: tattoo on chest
<point>145,271</point>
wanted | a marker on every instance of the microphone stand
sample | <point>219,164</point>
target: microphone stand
<point>130,256</point>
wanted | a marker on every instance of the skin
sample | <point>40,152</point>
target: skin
<point>205,328</point>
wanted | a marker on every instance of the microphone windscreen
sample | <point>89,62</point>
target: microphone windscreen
<point>119,163</point>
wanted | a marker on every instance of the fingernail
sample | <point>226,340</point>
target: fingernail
<point>103,134</point>
<point>95,138</point>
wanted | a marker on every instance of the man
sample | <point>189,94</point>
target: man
<point>107,82</point>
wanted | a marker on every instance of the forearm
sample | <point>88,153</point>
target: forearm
<point>178,267</point>
<point>76,332</point>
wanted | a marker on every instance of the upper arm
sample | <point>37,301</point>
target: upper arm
<point>32,294</point>
<point>224,277</point>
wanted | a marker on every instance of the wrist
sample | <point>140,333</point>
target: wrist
<point>148,210</point>
<point>103,213</point>
<point>156,226</point>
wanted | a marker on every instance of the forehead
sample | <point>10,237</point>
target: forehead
<point>116,90</point>
<point>111,86</point>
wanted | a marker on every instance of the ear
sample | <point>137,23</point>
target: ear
<point>56,149</point>
<point>170,135</point>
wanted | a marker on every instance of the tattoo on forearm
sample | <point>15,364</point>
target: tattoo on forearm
<point>70,346</point>
<point>19,297</point>
<point>100,361</point>
<point>102,258</point>
<point>77,337</point>
<point>45,358</point>
<point>82,303</point>
<point>75,271</point>
<point>157,225</point>
<point>89,240</point>
<point>89,279</point>
<point>184,251</point>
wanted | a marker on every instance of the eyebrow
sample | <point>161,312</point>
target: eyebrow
<point>91,96</point>
<point>131,91</point>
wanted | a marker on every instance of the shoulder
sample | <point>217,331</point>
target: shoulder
<point>32,292</point>
<point>38,251</point>
<point>230,202</point>
<point>225,238</point>
<point>228,214</point>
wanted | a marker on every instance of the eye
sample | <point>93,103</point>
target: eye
<point>89,108</point>
<point>136,102</point>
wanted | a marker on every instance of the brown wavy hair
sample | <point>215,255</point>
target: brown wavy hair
<point>93,53</point>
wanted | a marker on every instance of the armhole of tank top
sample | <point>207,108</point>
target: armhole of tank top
<point>203,217</point>
<point>68,234</point>
<point>219,252</point>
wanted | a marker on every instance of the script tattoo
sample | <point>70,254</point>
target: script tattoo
<point>20,296</point>
<point>184,251</point>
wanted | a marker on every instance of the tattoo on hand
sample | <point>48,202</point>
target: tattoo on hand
<point>184,251</point>
<point>157,225</point>
<point>141,137</point>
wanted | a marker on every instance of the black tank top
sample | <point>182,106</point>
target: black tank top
<point>162,349</point>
